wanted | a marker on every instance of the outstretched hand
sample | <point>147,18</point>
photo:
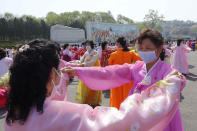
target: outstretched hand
<point>175,73</point>
<point>69,70</point>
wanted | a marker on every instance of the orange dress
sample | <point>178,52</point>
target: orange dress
<point>119,94</point>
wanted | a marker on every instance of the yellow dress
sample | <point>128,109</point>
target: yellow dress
<point>196,45</point>
<point>133,49</point>
<point>87,96</point>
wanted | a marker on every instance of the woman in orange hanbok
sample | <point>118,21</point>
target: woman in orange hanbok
<point>120,57</point>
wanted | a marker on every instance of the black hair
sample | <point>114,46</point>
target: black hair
<point>29,75</point>
<point>123,43</point>
<point>83,43</point>
<point>91,43</point>
<point>65,46</point>
<point>179,42</point>
<point>162,55</point>
<point>155,37</point>
<point>103,44</point>
<point>58,48</point>
<point>132,41</point>
<point>2,53</point>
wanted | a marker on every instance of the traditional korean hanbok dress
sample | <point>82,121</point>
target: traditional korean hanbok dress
<point>105,54</point>
<point>137,73</point>
<point>119,94</point>
<point>4,80</point>
<point>5,65</point>
<point>150,110</point>
<point>67,55</point>
<point>180,60</point>
<point>85,95</point>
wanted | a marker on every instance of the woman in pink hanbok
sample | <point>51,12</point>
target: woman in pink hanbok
<point>144,73</point>
<point>167,53</point>
<point>35,78</point>
<point>180,60</point>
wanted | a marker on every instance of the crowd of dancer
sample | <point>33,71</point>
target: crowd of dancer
<point>145,82</point>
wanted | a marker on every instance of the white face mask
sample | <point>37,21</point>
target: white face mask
<point>88,48</point>
<point>56,87</point>
<point>147,56</point>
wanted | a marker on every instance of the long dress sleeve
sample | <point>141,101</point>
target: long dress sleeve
<point>82,59</point>
<point>9,61</point>
<point>67,64</point>
<point>104,78</point>
<point>186,49</point>
<point>61,93</point>
<point>151,110</point>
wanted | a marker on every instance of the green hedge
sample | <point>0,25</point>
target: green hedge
<point>8,44</point>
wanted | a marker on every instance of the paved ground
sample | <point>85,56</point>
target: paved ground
<point>188,103</point>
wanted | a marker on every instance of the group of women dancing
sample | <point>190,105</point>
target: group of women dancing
<point>144,88</point>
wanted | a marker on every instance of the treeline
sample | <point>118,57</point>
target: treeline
<point>28,27</point>
<point>180,29</point>
<point>22,28</point>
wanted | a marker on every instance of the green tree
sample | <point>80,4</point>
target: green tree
<point>124,20</point>
<point>153,19</point>
<point>52,18</point>
<point>3,28</point>
<point>8,16</point>
<point>141,26</point>
<point>106,17</point>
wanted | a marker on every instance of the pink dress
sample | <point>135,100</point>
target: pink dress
<point>61,93</point>
<point>150,110</point>
<point>168,56</point>
<point>180,60</point>
<point>95,77</point>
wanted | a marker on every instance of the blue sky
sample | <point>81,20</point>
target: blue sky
<point>134,9</point>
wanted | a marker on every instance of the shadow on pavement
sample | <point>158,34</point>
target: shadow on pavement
<point>191,66</point>
<point>2,113</point>
<point>191,77</point>
<point>181,97</point>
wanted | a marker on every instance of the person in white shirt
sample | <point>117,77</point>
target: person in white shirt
<point>91,56</point>
<point>5,62</point>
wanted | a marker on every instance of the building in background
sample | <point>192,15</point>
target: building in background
<point>64,34</point>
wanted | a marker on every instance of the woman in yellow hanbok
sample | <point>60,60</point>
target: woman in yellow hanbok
<point>84,94</point>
